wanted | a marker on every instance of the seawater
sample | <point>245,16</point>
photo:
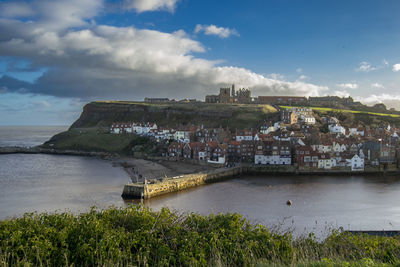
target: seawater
<point>27,136</point>
<point>320,203</point>
<point>48,183</point>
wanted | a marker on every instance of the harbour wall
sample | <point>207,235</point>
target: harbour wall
<point>168,185</point>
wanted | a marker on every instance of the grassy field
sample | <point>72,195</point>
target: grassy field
<point>322,110</point>
<point>137,236</point>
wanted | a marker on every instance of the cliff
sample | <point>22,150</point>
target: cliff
<point>104,113</point>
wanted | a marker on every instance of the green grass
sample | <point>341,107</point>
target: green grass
<point>92,139</point>
<point>137,236</point>
<point>241,116</point>
<point>324,110</point>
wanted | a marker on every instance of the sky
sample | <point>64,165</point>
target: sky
<point>57,55</point>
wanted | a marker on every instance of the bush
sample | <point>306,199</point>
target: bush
<point>136,236</point>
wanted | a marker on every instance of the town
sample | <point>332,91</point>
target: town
<point>299,139</point>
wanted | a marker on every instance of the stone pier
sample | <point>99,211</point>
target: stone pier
<point>174,184</point>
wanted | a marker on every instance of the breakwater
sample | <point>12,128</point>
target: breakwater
<point>168,185</point>
<point>162,186</point>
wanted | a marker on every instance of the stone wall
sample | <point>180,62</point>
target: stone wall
<point>177,183</point>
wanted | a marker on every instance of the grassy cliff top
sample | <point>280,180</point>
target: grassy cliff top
<point>104,113</point>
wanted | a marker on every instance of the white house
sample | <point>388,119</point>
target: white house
<point>118,128</point>
<point>220,160</point>
<point>143,128</point>
<point>267,129</point>
<point>356,163</point>
<point>182,136</point>
<point>336,128</point>
<point>326,162</point>
<point>244,135</point>
<point>310,120</point>
<point>338,147</point>
<point>356,131</point>
<point>322,148</point>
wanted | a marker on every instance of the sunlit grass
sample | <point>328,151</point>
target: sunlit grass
<point>347,111</point>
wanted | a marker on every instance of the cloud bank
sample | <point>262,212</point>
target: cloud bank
<point>86,60</point>
<point>348,85</point>
<point>150,5</point>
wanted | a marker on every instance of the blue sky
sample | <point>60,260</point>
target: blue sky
<point>57,55</point>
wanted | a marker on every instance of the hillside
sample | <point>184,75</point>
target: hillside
<point>104,113</point>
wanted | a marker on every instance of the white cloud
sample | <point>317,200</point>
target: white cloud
<point>385,62</point>
<point>347,85</point>
<point>150,5</point>
<point>391,101</point>
<point>276,76</point>
<point>366,67</point>
<point>343,93</point>
<point>214,30</point>
<point>106,62</point>
<point>396,67</point>
<point>377,85</point>
<point>303,77</point>
<point>299,70</point>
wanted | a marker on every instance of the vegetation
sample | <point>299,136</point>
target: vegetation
<point>325,110</point>
<point>137,236</point>
<point>96,139</point>
<point>241,116</point>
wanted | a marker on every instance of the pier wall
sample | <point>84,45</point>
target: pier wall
<point>174,184</point>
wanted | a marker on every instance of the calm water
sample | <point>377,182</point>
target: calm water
<point>50,182</point>
<point>27,136</point>
<point>319,203</point>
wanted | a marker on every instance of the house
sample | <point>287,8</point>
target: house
<point>356,163</point>
<point>306,157</point>
<point>143,128</point>
<point>122,127</point>
<point>247,150</point>
<point>234,150</point>
<point>273,153</point>
<point>183,135</point>
<point>266,129</point>
<point>309,120</point>
<point>244,135</point>
<point>218,154</point>
<point>324,147</point>
<point>325,161</point>
<point>175,150</point>
<point>357,131</point>
<point>336,128</point>
<point>288,116</point>
<point>337,147</point>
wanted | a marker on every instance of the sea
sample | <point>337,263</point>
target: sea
<point>320,204</point>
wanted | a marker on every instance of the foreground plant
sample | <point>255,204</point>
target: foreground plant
<point>137,236</point>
